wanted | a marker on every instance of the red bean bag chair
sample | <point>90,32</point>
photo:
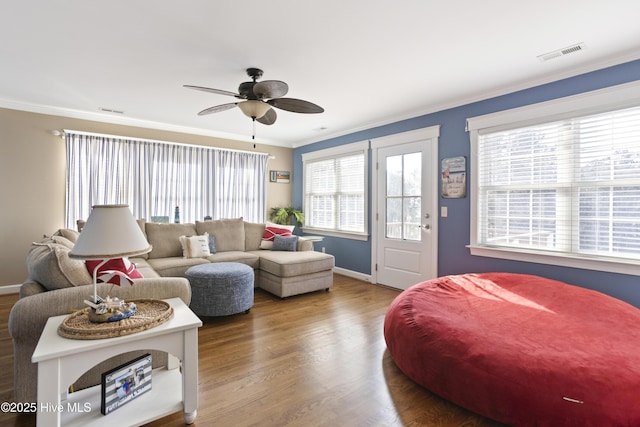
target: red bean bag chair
<point>520,349</point>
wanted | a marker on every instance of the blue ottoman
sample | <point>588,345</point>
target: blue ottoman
<point>220,288</point>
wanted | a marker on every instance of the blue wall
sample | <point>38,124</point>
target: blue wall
<point>454,257</point>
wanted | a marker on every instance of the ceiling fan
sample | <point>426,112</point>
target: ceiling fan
<point>258,98</point>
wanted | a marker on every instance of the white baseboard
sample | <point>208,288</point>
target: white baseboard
<point>9,289</point>
<point>353,274</point>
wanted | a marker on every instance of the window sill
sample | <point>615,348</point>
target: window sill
<point>333,233</point>
<point>621,266</point>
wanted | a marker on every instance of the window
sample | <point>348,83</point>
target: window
<point>562,189</point>
<point>404,197</point>
<point>153,177</point>
<point>335,190</point>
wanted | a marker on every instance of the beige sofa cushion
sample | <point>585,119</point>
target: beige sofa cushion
<point>49,264</point>
<point>142,223</point>
<point>174,266</point>
<point>253,232</point>
<point>242,257</point>
<point>165,238</point>
<point>229,233</point>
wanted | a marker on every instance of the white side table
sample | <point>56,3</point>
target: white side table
<point>61,361</point>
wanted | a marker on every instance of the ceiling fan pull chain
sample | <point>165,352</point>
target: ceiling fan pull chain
<point>253,134</point>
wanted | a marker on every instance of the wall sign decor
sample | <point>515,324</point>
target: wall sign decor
<point>279,176</point>
<point>454,177</point>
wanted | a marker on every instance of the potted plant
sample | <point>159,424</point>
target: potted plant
<point>288,215</point>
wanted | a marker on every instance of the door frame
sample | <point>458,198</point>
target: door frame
<point>429,137</point>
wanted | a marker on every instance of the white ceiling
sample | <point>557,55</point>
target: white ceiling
<point>367,62</point>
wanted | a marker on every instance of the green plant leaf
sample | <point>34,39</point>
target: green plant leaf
<point>287,215</point>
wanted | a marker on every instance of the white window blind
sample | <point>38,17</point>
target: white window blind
<point>568,186</point>
<point>559,182</point>
<point>335,190</point>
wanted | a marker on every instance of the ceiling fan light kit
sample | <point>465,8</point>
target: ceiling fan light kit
<point>258,98</point>
<point>254,109</point>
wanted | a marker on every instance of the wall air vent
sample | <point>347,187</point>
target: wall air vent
<point>562,52</point>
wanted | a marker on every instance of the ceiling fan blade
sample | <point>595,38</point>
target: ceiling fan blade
<point>217,108</point>
<point>269,118</point>
<point>211,90</point>
<point>270,89</point>
<point>295,105</point>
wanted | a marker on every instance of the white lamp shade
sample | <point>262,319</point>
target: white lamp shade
<point>254,109</point>
<point>111,231</point>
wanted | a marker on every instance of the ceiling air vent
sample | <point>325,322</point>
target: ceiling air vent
<point>111,110</point>
<point>562,52</point>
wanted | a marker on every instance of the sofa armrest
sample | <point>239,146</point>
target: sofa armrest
<point>30,314</point>
<point>304,244</point>
<point>30,287</point>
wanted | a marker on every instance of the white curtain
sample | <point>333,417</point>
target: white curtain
<point>154,177</point>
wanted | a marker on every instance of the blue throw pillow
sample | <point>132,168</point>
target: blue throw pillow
<point>285,243</point>
<point>212,244</point>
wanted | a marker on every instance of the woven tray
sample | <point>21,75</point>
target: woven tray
<point>149,314</point>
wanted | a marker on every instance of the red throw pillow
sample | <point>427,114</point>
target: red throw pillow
<point>271,232</point>
<point>122,265</point>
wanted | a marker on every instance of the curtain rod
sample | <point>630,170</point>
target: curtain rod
<point>104,135</point>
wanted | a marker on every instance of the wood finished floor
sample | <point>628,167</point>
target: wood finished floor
<point>311,360</point>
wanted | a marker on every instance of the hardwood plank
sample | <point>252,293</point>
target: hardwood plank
<point>310,360</point>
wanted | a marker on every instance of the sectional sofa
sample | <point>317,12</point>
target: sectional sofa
<point>281,272</point>
<point>58,284</point>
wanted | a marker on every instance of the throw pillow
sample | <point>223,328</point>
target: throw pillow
<point>285,243</point>
<point>71,235</point>
<point>212,244</point>
<point>195,246</point>
<point>272,230</point>
<point>49,264</point>
<point>62,241</point>
<point>105,272</point>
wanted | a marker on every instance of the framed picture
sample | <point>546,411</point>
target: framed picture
<point>126,382</point>
<point>280,176</point>
<point>454,177</point>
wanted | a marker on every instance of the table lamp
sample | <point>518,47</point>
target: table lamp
<point>110,232</point>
